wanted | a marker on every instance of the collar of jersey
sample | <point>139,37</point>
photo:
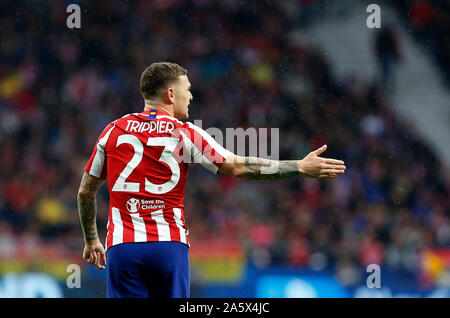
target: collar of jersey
<point>158,113</point>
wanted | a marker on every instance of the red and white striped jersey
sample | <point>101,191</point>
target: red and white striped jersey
<point>145,156</point>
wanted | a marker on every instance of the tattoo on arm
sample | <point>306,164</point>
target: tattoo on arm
<point>265,169</point>
<point>87,206</point>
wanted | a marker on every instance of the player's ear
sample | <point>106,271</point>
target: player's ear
<point>170,95</point>
<point>167,96</point>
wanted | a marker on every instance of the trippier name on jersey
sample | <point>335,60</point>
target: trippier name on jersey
<point>159,127</point>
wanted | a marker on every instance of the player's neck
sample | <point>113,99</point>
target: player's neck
<point>165,108</point>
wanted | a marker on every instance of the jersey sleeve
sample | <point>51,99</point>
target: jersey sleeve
<point>96,165</point>
<point>203,148</point>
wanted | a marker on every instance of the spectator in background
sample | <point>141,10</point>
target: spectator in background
<point>428,21</point>
<point>422,15</point>
<point>387,51</point>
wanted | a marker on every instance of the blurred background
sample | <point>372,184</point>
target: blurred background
<point>378,97</point>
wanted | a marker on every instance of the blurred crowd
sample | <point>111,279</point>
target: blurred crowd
<point>428,21</point>
<point>249,67</point>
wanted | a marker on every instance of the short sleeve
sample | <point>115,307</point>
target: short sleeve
<point>203,148</point>
<point>96,165</point>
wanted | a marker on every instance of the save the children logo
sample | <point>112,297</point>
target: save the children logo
<point>133,205</point>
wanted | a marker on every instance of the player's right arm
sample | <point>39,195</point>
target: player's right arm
<point>93,177</point>
<point>93,251</point>
<point>255,168</point>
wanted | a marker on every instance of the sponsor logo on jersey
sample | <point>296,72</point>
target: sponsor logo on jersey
<point>133,205</point>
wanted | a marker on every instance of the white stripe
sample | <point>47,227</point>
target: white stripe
<point>179,223</point>
<point>107,233</point>
<point>99,159</point>
<point>130,115</point>
<point>210,140</point>
<point>171,118</point>
<point>117,236</point>
<point>198,155</point>
<point>140,234</point>
<point>162,226</point>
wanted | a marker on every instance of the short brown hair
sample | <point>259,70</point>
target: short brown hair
<point>159,75</point>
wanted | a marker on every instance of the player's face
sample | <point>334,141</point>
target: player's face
<point>183,97</point>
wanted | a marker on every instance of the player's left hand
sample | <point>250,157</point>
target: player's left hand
<point>94,254</point>
<point>313,166</point>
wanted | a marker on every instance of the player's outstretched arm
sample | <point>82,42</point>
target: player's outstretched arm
<point>87,209</point>
<point>311,166</point>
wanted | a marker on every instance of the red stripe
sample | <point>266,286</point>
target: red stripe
<point>182,216</point>
<point>204,147</point>
<point>150,228</point>
<point>110,230</point>
<point>185,226</point>
<point>128,228</point>
<point>174,230</point>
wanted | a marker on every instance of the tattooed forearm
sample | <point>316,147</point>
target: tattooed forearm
<point>87,206</point>
<point>87,210</point>
<point>265,169</point>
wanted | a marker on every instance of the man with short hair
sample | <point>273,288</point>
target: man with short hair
<point>145,157</point>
